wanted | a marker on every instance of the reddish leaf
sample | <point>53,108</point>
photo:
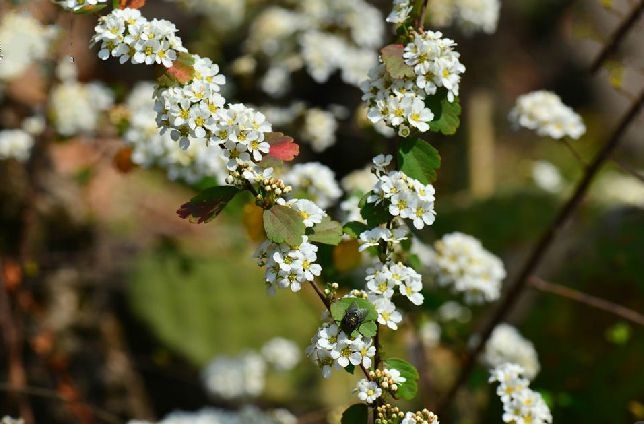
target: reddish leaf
<point>123,160</point>
<point>12,274</point>
<point>131,4</point>
<point>282,146</point>
<point>392,57</point>
<point>207,204</point>
<point>181,71</point>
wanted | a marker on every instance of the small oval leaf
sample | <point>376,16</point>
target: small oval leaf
<point>207,204</point>
<point>409,388</point>
<point>355,414</point>
<point>284,225</point>
<point>418,159</point>
<point>327,232</point>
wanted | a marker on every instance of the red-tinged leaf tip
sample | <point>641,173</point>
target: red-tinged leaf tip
<point>392,57</point>
<point>180,72</point>
<point>285,150</point>
<point>131,4</point>
<point>123,160</point>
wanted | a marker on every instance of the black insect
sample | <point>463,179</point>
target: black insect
<point>353,317</point>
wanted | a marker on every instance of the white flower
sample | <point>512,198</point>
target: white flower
<point>283,354</point>
<point>316,180</point>
<point>15,144</point>
<point>507,345</point>
<point>387,313</point>
<point>520,403</point>
<point>400,11</point>
<point>368,391</point>
<point>462,263</point>
<point>24,40</point>
<point>430,333</point>
<point>407,197</point>
<point>375,235</point>
<point>547,176</point>
<point>75,5</point>
<point>319,129</point>
<point>233,378</point>
<point>544,112</point>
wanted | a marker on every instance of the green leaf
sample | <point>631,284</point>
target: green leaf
<point>355,414</point>
<point>392,57</point>
<point>368,329</point>
<point>446,114</point>
<point>207,204</point>
<point>408,389</point>
<point>418,159</point>
<point>339,307</point>
<point>327,232</point>
<point>350,368</point>
<point>354,228</point>
<point>284,225</point>
<point>375,214</point>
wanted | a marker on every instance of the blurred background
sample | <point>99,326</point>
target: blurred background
<point>112,306</point>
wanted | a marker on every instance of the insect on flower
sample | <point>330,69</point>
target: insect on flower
<point>353,317</point>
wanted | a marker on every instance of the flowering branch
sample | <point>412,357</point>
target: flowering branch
<point>520,282</point>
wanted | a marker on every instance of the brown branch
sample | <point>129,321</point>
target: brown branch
<point>627,169</point>
<point>542,246</point>
<point>50,394</point>
<point>12,338</point>
<point>420,22</point>
<point>586,299</point>
<point>617,37</point>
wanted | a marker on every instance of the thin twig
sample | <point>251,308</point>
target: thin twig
<point>519,283</point>
<point>50,394</point>
<point>587,299</point>
<point>420,23</point>
<point>13,340</point>
<point>617,37</point>
<point>626,168</point>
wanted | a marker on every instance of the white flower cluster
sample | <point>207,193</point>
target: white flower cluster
<point>151,148</point>
<point>382,280</point>
<point>289,266</point>
<point>380,381</point>
<point>463,264</point>
<point>507,345</point>
<point>400,103</point>
<point>547,177</point>
<point>321,35</point>
<point>405,197</point>
<point>24,41</point>
<point>76,108</point>
<point>520,403</point>
<point>470,15</point>
<point>314,181</point>
<point>8,420</point>
<point>76,5</point>
<point>125,34</point>
<point>400,11</point>
<point>16,144</point>
<point>281,353</point>
<point>197,110</point>
<point>235,377</point>
<point>332,348</point>
<point>319,129</point>
<point>247,414</point>
<point>544,112</point>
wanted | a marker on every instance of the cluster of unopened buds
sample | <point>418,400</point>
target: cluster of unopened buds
<point>389,414</point>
